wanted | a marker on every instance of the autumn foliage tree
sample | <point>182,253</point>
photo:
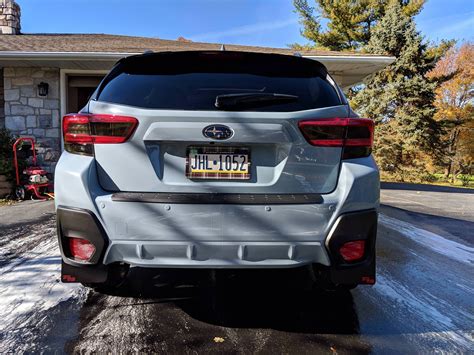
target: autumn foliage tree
<point>455,109</point>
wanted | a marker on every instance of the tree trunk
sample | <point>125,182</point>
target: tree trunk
<point>447,170</point>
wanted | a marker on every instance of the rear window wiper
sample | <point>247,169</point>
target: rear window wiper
<point>252,99</point>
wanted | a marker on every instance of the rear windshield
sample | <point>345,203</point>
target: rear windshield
<point>193,80</point>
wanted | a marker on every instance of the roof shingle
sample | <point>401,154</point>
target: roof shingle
<point>127,44</point>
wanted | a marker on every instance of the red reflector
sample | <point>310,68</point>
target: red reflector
<point>97,129</point>
<point>368,280</point>
<point>81,249</point>
<point>68,278</point>
<point>352,251</point>
<point>338,132</point>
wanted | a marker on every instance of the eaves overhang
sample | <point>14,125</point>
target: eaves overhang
<point>347,70</point>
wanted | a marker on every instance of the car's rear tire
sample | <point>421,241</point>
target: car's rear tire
<point>116,276</point>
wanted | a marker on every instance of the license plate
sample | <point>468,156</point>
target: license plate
<point>218,163</point>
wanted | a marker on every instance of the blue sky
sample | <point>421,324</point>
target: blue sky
<point>254,22</point>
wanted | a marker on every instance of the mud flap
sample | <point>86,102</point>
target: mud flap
<point>359,275</point>
<point>83,274</point>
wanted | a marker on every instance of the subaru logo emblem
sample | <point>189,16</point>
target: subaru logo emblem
<point>217,131</point>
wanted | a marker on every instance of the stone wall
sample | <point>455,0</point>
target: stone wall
<point>28,114</point>
<point>9,17</point>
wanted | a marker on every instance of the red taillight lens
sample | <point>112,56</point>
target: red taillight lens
<point>81,131</point>
<point>81,249</point>
<point>355,135</point>
<point>353,251</point>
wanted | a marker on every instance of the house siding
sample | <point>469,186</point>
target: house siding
<point>28,114</point>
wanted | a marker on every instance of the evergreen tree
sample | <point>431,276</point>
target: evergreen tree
<point>350,22</point>
<point>400,98</point>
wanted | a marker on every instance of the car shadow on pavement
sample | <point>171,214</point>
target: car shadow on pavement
<point>282,299</point>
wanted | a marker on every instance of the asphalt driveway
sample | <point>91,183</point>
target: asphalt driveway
<point>423,299</point>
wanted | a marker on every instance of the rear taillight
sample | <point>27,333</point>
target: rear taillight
<point>354,135</point>
<point>353,251</point>
<point>82,131</point>
<point>81,249</point>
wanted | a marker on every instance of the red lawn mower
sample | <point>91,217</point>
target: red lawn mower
<point>33,181</point>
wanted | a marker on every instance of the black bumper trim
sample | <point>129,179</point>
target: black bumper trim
<point>217,198</point>
<point>85,274</point>
<point>80,223</point>
<point>353,226</point>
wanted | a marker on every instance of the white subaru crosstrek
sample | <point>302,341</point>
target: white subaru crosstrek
<point>217,159</point>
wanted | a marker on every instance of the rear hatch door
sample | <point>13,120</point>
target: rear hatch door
<point>173,96</point>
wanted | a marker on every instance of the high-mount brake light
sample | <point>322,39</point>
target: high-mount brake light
<point>82,131</point>
<point>354,135</point>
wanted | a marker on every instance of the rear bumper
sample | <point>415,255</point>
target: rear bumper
<point>265,234</point>
<point>147,250</point>
<point>348,227</point>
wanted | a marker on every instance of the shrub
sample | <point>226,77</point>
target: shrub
<point>465,179</point>
<point>6,155</point>
<point>427,177</point>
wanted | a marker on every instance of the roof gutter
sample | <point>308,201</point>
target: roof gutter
<point>114,56</point>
